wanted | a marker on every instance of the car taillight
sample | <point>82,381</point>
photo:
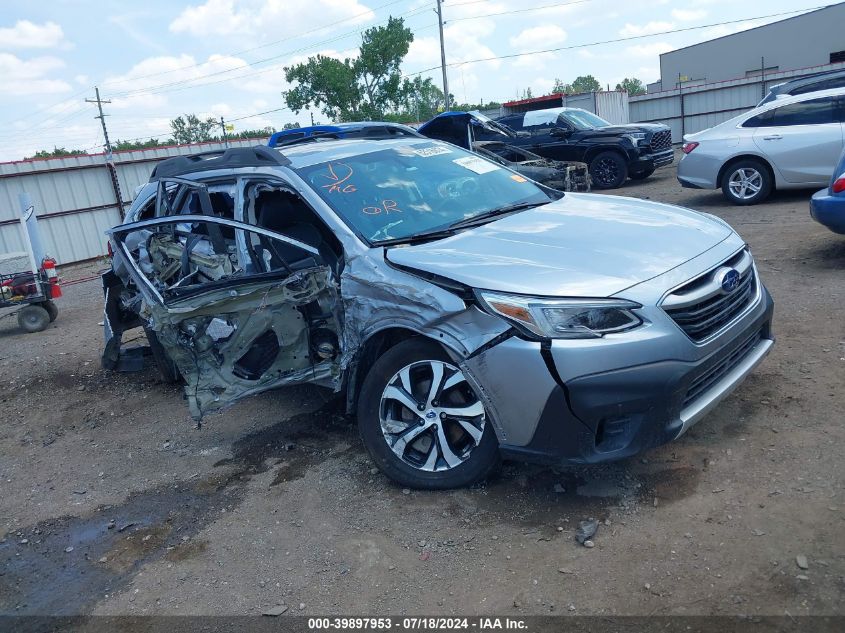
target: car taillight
<point>688,147</point>
<point>109,250</point>
<point>838,185</point>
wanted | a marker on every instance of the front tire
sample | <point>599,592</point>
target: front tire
<point>608,170</point>
<point>33,318</point>
<point>421,421</point>
<point>747,182</point>
<point>52,310</point>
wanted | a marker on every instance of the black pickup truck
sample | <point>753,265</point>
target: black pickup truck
<point>613,152</point>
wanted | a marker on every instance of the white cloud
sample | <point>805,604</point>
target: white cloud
<point>26,34</point>
<point>535,61</point>
<point>688,15</point>
<point>634,30</point>
<point>653,49</point>
<point>217,110</point>
<point>542,86</point>
<point>82,80</point>
<point>544,36</point>
<point>280,18</point>
<point>129,88</point>
<point>463,43</point>
<point>20,77</point>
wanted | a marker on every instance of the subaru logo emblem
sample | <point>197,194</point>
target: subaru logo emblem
<point>728,279</point>
<point>431,415</point>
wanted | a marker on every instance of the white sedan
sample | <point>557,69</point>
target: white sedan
<point>791,143</point>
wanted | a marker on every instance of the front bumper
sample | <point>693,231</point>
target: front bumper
<point>616,412</point>
<point>653,161</point>
<point>828,210</point>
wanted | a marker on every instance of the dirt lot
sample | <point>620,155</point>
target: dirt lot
<point>275,501</point>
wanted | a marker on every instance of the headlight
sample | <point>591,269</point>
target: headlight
<point>563,318</point>
<point>636,138</point>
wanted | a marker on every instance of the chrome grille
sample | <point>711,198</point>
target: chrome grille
<point>661,141</point>
<point>701,308</point>
<point>712,376</point>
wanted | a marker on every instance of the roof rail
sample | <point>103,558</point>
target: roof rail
<point>256,156</point>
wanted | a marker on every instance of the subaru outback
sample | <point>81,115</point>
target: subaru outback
<point>466,312</point>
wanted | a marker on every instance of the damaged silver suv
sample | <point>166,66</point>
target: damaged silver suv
<point>466,312</point>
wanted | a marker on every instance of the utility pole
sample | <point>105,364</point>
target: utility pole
<point>115,183</point>
<point>102,118</point>
<point>439,11</point>
<point>312,118</point>
<point>223,127</point>
<point>762,77</point>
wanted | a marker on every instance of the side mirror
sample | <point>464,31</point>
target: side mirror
<point>560,132</point>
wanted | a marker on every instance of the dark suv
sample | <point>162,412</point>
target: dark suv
<point>613,152</point>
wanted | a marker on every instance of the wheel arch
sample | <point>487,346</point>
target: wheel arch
<point>747,156</point>
<point>374,346</point>
<point>592,152</point>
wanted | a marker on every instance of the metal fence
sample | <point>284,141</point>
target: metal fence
<point>75,197</point>
<point>694,108</point>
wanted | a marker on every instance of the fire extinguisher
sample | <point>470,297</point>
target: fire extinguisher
<point>48,265</point>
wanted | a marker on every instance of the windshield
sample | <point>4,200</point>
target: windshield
<point>407,190</point>
<point>583,120</point>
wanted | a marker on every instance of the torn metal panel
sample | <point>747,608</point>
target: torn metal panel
<point>234,343</point>
<point>494,379</point>
<point>234,318</point>
<point>377,296</point>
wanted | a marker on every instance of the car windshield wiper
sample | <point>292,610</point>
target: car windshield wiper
<point>487,216</point>
<point>481,218</point>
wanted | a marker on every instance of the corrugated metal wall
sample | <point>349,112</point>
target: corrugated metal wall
<point>611,105</point>
<point>74,198</point>
<point>706,105</point>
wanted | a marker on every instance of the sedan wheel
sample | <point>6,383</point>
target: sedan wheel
<point>421,420</point>
<point>747,182</point>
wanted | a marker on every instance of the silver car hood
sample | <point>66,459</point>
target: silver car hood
<point>584,245</point>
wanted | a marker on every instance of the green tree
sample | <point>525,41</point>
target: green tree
<point>56,152</point>
<point>291,126</point>
<point>259,133</point>
<point>585,83</point>
<point>559,86</point>
<point>190,129</point>
<point>632,86</point>
<point>365,87</point>
<point>421,100</point>
<point>153,142</point>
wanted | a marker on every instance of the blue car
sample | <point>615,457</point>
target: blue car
<point>358,129</point>
<point>828,205</point>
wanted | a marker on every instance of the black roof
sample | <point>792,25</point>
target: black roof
<point>257,156</point>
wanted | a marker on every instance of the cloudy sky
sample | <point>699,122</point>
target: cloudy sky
<point>158,58</point>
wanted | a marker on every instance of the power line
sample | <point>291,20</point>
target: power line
<point>492,15</point>
<point>255,48</point>
<point>613,41</point>
<point>181,85</point>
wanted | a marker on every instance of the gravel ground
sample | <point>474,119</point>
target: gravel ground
<point>111,502</point>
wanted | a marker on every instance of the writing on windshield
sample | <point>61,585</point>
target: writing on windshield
<point>408,189</point>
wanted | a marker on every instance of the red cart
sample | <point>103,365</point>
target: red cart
<point>32,293</point>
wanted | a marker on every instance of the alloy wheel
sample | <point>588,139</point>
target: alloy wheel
<point>605,171</point>
<point>745,183</point>
<point>430,416</point>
